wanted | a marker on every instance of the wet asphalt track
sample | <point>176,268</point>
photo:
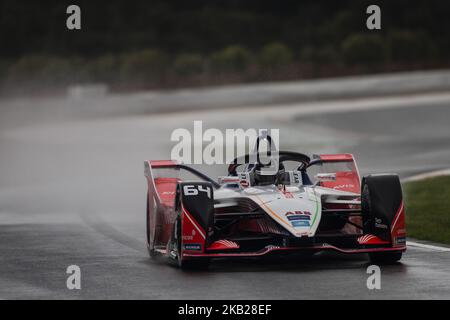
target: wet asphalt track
<point>72,191</point>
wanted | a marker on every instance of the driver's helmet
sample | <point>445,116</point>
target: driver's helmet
<point>264,178</point>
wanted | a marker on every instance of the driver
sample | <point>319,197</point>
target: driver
<point>263,176</point>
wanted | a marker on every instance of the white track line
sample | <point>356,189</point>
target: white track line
<point>427,246</point>
<point>427,175</point>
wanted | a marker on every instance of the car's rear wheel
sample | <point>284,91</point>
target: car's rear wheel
<point>381,198</point>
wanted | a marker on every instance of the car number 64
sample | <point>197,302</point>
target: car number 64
<point>191,190</point>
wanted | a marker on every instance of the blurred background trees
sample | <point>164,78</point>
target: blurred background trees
<point>168,43</point>
<point>275,55</point>
<point>230,59</point>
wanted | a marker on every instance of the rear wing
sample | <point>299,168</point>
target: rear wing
<point>173,169</point>
<point>336,157</point>
<point>344,168</point>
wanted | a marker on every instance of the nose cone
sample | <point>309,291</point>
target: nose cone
<point>299,216</point>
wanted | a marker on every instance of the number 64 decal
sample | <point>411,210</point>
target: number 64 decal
<point>191,190</point>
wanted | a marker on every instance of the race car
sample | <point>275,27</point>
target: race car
<point>304,206</point>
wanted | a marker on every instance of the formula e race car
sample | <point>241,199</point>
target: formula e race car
<point>320,204</point>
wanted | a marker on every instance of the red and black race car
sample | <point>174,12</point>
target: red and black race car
<point>320,204</point>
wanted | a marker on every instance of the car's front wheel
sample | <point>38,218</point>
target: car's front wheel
<point>150,243</point>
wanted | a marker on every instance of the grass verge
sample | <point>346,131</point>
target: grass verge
<point>428,209</point>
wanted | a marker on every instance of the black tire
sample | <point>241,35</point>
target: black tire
<point>151,250</point>
<point>381,196</point>
<point>385,257</point>
<point>366,209</point>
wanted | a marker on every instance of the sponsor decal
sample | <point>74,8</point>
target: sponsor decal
<point>244,183</point>
<point>300,223</point>
<point>379,224</point>
<point>298,215</point>
<point>193,247</point>
<point>296,177</point>
<point>400,240</point>
<point>344,186</point>
<point>252,190</point>
<point>292,218</point>
<point>366,238</point>
<point>243,180</point>
<point>288,195</point>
